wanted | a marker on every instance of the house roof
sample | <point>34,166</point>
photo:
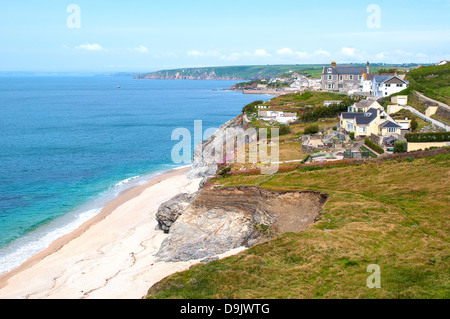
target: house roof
<point>364,103</point>
<point>349,115</point>
<point>344,69</point>
<point>388,79</point>
<point>390,124</point>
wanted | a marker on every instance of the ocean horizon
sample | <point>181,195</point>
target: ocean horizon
<point>70,144</point>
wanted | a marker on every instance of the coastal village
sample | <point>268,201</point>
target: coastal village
<point>365,114</point>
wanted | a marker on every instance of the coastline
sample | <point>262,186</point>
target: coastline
<point>110,255</point>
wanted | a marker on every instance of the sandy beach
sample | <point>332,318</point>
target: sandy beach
<point>110,256</point>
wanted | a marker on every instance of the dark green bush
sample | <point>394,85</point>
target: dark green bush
<point>352,135</point>
<point>400,147</point>
<point>312,129</point>
<point>428,137</point>
<point>373,146</point>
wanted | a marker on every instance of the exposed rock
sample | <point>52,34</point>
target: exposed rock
<point>212,151</point>
<point>169,211</point>
<point>222,219</point>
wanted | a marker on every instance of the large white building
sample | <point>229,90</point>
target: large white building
<point>385,85</point>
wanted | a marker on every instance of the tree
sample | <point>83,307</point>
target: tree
<point>414,124</point>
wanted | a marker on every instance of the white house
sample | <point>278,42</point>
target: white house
<point>385,85</point>
<point>277,116</point>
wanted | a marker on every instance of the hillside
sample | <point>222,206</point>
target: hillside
<point>245,72</point>
<point>432,81</point>
<point>390,213</point>
<point>250,72</point>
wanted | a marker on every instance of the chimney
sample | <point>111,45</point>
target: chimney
<point>368,67</point>
<point>333,64</point>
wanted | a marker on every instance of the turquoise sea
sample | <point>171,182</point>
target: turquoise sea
<point>70,144</point>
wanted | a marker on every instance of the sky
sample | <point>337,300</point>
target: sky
<point>148,35</point>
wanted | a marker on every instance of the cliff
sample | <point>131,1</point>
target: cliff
<point>236,73</point>
<point>221,219</point>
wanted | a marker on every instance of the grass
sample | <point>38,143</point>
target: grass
<point>394,214</point>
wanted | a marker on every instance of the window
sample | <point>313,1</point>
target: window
<point>330,86</point>
<point>330,70</point>
<point>388,85</point>
<point>391,130</point>
<point>362,129</point>
<point>330,77</point>
<point>399,85</point>
<point>351,77</point>
<point>340,77</point>
<point>360,77</point>
<point>350,126</point>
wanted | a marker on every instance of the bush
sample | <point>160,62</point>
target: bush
<point>352,135</point>
<point>400,147</point>
<point>373,146</point>
<point>414,124</point>
<point>225,171</point>
<point>312,129</point>
<point>284,129</point>
<point>428,137</point>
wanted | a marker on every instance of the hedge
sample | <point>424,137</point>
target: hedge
<point>428,137</point>
<point>373,146</point>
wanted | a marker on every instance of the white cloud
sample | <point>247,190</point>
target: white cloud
<point>141,49</point>
<point>195,53</point>
<point>286,52</point>
<point>261,53</point>
<point>321,52</point>
<point>90,47</point>
<point>348,51</point>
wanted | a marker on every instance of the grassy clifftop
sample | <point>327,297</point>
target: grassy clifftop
<point>393,214</point>
<point>432,81</point>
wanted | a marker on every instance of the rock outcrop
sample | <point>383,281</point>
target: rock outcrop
<point>209,153</point>
<point>169,211</point>
<point>222,219</point>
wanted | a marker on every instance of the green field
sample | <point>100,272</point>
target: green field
<point>394,215</point>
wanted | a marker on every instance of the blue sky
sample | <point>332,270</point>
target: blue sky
<point>146,35</point>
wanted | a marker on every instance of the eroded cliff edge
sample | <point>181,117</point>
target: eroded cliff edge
<point>221,219</point>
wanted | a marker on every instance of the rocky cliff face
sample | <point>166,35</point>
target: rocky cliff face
<point>220,219</point>
<point>212,151</point>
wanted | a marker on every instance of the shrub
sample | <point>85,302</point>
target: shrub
<point>373,146</point>
<point>284,129</point>
<point>428,137</point>
<point>225,171</point>
<point>414,124</point>
<point>312,129</point>
<point>400,147</point>
<point>352,135</point>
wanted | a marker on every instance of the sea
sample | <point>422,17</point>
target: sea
<point>70,144</point>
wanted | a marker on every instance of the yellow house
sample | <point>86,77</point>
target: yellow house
<point>371,119</point>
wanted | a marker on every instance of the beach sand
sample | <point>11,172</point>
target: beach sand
<point>109,257</point>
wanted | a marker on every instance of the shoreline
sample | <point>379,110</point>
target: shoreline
<point>95,245</point>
